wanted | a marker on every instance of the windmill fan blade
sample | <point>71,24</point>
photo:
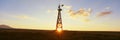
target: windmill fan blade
<point>62,5</point>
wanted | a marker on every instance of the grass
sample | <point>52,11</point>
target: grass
<point>22,34</point>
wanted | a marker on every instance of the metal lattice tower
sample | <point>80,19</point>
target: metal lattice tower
<point>59,25</point>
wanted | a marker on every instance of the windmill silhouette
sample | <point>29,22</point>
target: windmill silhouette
<point>59,26</point>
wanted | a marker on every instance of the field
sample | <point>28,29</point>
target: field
<point>23,34</point>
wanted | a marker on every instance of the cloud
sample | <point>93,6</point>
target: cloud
<point>26,17</point>
<point>51,11</point>
<point>67,6</point>
<point>108,8</point>
<point>84,13</point>
<point>104,13</point>
<point>81,12</point>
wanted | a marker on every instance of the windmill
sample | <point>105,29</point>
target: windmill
<point>59,26</point>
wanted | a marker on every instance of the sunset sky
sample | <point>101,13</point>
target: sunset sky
<point>87,15</point>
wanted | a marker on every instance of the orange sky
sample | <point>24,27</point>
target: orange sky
<point>89,15</point>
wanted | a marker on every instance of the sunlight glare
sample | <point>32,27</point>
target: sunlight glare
<point>59,29</point>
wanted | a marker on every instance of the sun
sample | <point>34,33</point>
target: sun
<point>59,30</point>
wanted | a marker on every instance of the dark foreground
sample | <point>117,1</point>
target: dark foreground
<point>21,34</point>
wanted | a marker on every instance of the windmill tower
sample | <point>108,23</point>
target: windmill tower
<point>59,26</point>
